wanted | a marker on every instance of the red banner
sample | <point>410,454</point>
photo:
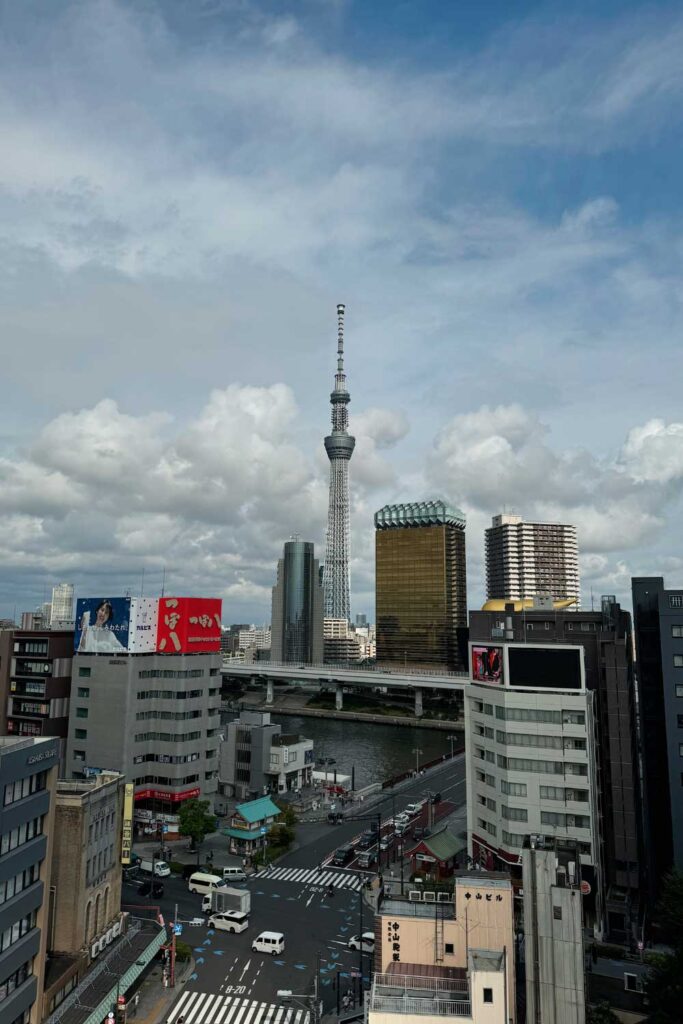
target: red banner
<point>165,794</point>
<point>189,625</point>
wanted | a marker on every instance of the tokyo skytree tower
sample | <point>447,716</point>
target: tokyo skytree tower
<point>339,446</point>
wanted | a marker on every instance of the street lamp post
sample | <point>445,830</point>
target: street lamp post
<point>452,740</point>
<point>417,752</point>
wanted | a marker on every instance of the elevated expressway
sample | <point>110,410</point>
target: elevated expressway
<point>341,676</point>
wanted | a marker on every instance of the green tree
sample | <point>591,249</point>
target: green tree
<point>601,1013</point>
<point>669,913</point>
<point>664,987</point>
<point>196,822</point>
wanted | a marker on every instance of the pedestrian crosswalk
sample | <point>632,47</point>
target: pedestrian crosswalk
<point>208,1008</point>
<point>313,876</point>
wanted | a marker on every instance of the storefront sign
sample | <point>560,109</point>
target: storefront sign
<point>127,827</point>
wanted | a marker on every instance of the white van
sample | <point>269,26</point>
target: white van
<point>269,942</point>
<point>158,867</point>
<point>203,882</point>
<point>229,921</point>
<point>234,875</point>
<point>413,809</point>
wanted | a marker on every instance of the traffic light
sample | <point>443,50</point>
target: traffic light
<point>121,1010</point>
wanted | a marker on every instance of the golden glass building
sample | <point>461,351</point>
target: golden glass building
<point>421,585</point>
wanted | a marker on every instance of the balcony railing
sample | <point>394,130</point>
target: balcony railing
<point>420,996</point>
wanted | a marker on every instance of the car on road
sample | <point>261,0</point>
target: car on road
<point>401,828</point>
<point>343,855</point>
<point>155,889</point>
<point>368,942</point>
<point>269,942</point>
<point>229,921</point>
<point>413,809</point>
<point>366,840</point>
<point>366,858</point>
<point>386,841</point>
<point>335,817</point>
<point>402,819</point>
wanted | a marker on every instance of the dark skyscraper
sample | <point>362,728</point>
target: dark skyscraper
<point>297,620</point>
<point>421,584</point>
<point>658,620</point>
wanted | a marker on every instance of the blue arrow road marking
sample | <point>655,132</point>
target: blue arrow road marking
<point>280,963</point>
<point>327,981</point>
<point>211,932</point>
<point>193,977</point>
<point>299,967</point>
<point>206,942</point>
<point>199,960</point>
<point>275,895</point>
<point>218,952</point>
<point>198,949</point>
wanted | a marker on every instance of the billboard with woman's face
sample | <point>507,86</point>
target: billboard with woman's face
<point>102,625</point>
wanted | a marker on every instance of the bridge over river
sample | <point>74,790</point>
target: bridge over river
<point>368,677</point>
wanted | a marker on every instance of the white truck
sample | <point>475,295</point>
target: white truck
<point>224,898</point>
<point>158,867</point>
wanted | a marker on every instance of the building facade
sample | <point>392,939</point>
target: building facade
<point>531,758</point>
<point>452,958</point>
<point>553,933</point>
<point>153,717</point>
<point>86,862</point>
<point>62,606</point>
<point>607,640</point>
<point>526,559</point>
<point>421,585</point>
<point>340,643</point>
<point>249,825</point>
<point>28,776</point>
<point>257,758</point>
<point>658,622</point>
<point>35,682</point>
<point>297,618</point>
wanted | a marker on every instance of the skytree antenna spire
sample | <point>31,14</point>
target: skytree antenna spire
<point>339,446</point>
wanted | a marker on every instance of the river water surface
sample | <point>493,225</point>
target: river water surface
<point>377,752</point>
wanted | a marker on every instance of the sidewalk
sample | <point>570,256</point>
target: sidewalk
<point>155,1000</point>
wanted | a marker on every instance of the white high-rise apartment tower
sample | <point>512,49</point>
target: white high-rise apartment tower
<point>62,609</point>
<point>526,559</point>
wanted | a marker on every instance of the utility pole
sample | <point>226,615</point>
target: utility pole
<point>175,921</point>
<point>417,752</point>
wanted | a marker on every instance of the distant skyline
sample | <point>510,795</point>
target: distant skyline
<point>187,189</point>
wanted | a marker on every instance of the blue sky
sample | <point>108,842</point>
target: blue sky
<point>188,188</point>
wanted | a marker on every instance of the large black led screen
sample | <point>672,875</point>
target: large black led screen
<point>546,668</point>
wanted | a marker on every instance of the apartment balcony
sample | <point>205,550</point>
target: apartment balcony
<point>419,996</point>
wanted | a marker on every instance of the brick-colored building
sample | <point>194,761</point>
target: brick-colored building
<point>86,865</point>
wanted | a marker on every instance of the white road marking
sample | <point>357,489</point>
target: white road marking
<point>176,1009</point>
<point>210,1015</point>
<point>224,1007</point>
<point>193,1012</point>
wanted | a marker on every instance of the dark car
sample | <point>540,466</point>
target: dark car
<point>342,856</point>
<point>154,889</point>
<point>367,840</point>
<point>189,870</point>
<point>335,817</point>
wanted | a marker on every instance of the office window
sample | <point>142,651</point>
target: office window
<point>449,948</point>
<point>81,734</point>
<point>83,691</point>
<point>631,982</point>
<point>677,632</point>
<point>488,995</point>
<point>515,813</point>
<point>680,749</point>
<point>679,689</point>
<point>679,721</point>
<point>79,755</point>
<point>84,672</point>
<point>675,601</point>
<point>513,788</point>
<point>81,712</point>
<point>678,660</point>
<point>557,913</point>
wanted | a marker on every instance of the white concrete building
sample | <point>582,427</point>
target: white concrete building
<point>62,607</point>
<point>526,559</point>
<point>530,751</point>
<point>257,637</point>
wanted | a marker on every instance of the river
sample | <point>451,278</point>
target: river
<point>377,752</point>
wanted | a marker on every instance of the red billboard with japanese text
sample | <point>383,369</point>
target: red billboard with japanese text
<point>189,625</point>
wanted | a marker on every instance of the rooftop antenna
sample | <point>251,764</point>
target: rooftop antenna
<point>163,582</point>
<point>142,583</point>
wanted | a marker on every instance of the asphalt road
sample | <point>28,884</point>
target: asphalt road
<point>233,985</point>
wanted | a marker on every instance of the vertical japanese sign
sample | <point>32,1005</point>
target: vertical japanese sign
<point>127,830</point>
